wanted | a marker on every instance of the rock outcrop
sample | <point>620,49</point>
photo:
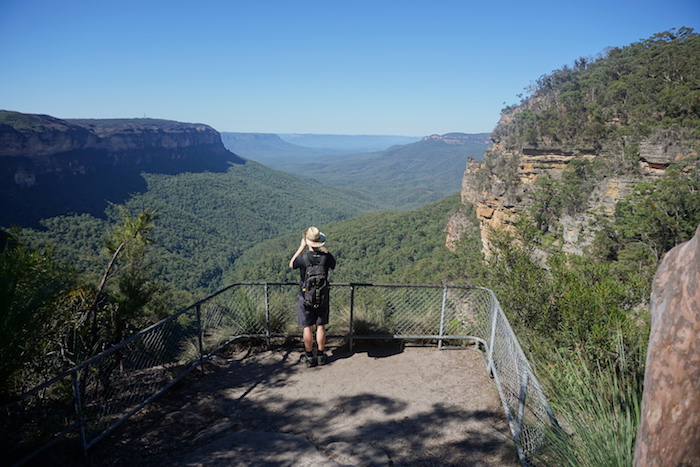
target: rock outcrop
<point>37,148</point>
<point>669,432</point>
<point>26,135</point>
<point>502,186</point>
<point>50,166</point>
<point>627,112</point>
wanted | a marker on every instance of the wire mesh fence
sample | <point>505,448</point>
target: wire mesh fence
<point>77,409</point>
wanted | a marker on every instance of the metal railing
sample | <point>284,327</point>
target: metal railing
<point>88,402</point>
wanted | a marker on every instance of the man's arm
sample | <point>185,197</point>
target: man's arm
<point>300,250</point>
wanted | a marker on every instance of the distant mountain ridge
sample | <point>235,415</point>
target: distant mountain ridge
<point>401,176</point>
<point>461,138</point>
<point>269,149</point>
<point>348,144</point>
<point>405,176</point>
<point>285,150</point>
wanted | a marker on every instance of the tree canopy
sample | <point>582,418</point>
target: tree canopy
<point>627,92</point>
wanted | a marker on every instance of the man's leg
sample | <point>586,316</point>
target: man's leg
<point>308,336</point>
<point>321,341</point>
<point>321,337</point>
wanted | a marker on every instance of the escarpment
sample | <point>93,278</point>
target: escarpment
<point>38,148</point>
<point>585,136</point>
<point>50,166</point>
<point>505,185</point>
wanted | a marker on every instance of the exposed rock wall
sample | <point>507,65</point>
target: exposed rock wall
<point>120,135</point>
<point>38,148</point>
<point>43,136</point>
<point>502,185</point>
<point>51,167</point>
<point>669,432</point>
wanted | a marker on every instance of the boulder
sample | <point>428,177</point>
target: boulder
<point>669,432</point>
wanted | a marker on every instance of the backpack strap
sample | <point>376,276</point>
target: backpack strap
<point>307,261</point>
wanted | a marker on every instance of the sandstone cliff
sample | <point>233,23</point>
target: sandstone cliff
<point>30,135</point>
<point>50,166</point>
<point>502,186</point>
<point>38,148</point>
<point>605,124</point>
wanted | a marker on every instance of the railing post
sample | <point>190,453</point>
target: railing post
<point>200,337</point>
<point>494,319</point>
<point>521,401</point>
<point>267,315</point>
<point>442,317</point>
<point>521,413</point>
<point>352,314</point>
<point>79,414</point>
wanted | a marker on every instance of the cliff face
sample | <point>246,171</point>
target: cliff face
<point>587,134</point>
<point>51,167</point>
<point>502,186</point>
<point>38,148</point>
<point>40,135</point>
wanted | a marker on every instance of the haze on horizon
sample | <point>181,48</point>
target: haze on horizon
<point>342,68</point>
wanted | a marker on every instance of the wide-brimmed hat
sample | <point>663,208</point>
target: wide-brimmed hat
<point>315,238</point>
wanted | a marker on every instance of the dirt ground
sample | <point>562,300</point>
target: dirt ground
<point>382,404</point>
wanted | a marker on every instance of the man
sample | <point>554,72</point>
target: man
<point>313,314</point>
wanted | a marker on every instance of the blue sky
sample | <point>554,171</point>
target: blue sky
<point>410,68</point>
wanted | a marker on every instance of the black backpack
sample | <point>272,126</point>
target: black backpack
<point>315,286</point>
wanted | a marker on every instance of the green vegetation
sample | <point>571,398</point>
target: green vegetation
<point>628,93</point>
<point>655,217</point>
<point>554,198</point>
<point>32,290</point>
<point>402,177</point>
<point>583,319</point>
<point>380,247</point>
<point>54,316</point>
<point>601,409</point>
<point>207,220</point>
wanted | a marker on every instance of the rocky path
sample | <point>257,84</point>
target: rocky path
<point>382,405</point>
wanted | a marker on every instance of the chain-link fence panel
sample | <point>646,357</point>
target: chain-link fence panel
<point>340,310</point>
<point>282,306</point>
<point>92,399</point>
<point>397,311</point>
<point>120,381</point>
<point>467,312</point>
<point>527,410</point>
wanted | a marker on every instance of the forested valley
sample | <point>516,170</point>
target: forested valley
<point>583,318</point>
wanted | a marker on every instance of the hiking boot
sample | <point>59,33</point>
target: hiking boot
<point>321,359</point>
<point>309,360</point>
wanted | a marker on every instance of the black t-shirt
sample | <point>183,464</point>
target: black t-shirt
<point>314,258</point>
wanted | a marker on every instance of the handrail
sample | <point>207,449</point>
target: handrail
<point>152,360</point>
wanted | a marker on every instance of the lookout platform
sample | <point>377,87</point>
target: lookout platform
<point>383,404</point>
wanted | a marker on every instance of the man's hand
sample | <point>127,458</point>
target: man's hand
<point>300,250</point>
